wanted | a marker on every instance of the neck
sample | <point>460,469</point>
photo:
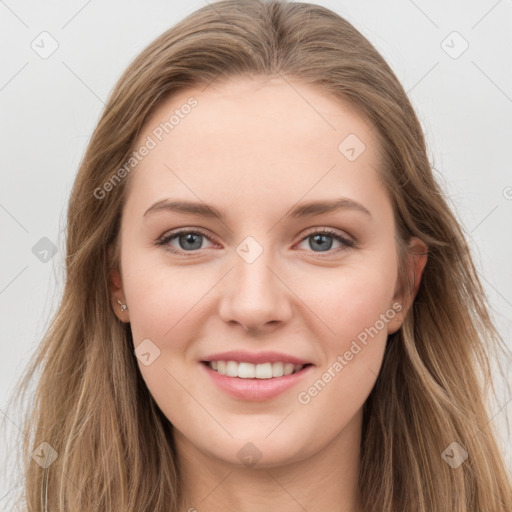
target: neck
<point>326,480</point>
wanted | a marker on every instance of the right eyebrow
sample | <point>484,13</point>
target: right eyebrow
<point>186,207</point>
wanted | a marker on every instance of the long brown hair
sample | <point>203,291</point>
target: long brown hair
<point>115,447</point>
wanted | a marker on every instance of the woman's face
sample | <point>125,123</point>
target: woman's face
<point>261,277</point>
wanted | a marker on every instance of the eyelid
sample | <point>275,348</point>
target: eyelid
<point>329,231</point>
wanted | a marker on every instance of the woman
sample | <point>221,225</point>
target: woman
<point>261,366</point>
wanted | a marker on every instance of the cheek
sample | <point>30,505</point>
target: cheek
<point>358,311</point>
<point>356,305</point>
<point>349,300</point>
<point>164,308</point>
<point>161,296</point>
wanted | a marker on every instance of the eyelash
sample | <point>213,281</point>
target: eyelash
<point>163,241</point>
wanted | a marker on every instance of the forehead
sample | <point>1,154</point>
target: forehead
<point>255,139</point>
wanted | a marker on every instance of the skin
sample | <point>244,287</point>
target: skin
<point>254,148</point>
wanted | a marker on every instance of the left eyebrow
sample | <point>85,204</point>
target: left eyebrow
<point>303,210</point>
<point>318,207</point>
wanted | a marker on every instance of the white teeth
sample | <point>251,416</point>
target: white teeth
<point>250,371</point>
<point>245,370</point>
<point>263,371</point>
<point>277,370</point>
<point>232,369</point>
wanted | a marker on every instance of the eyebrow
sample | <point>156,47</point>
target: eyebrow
<point>309,209</point>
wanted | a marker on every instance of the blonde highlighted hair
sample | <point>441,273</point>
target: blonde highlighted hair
<point>115,447</point>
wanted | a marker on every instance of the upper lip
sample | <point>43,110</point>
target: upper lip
<point>255,357</point>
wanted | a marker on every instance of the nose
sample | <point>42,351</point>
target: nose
<point>255,296</point>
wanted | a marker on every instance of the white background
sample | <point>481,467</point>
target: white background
<point>49,108</point>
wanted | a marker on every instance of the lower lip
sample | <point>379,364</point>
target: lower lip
<point>256,389</point>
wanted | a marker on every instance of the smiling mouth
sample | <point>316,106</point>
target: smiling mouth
<point>244,370</point>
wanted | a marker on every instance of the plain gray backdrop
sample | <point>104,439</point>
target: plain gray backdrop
<point>60,60</point>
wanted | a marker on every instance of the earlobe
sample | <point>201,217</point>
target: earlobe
<point>121,310</point>
<point>116,292</point>
<point>118,302</point>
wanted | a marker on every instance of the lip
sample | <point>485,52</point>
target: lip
<point>255,389</point>
<point>241,356</point>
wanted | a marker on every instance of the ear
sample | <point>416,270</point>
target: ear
<point>116,289</point>
<point>416,260</point>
